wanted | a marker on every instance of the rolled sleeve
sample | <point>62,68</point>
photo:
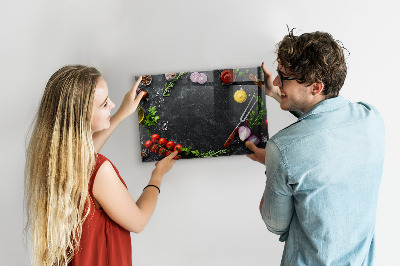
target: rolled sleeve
<point>277,209</point>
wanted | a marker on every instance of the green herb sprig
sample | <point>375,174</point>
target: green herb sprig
<point>255,119</point>
<point>241,73</point>
<point>196,153</point>
<point>169,86</point>
<point>151,118</point>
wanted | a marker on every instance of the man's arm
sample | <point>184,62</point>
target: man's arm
<point>276,206</point>
<point>270,89</point>
<point>274,91</point>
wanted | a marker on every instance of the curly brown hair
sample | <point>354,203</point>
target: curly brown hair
<point>314,57</point>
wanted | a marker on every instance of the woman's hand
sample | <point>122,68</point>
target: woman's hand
<point>128,107</point>
<point>163,166</point>
<point>270,89</point>
<point>131,101</point>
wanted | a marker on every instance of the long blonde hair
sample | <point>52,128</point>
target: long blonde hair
<point>59,161</point>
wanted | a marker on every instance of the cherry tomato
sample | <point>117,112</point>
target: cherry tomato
<point>147,144</point>
<point>154,148</point>
<point>161,152</point>
<point>178,148</point>
<point>162,141</point>
<point>155,138</point>
<point>266,121</point>
<point>170,145</point>
<point>178,157</point>
<point>168,153</point>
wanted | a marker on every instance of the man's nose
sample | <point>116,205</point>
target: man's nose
<point>277,81</point>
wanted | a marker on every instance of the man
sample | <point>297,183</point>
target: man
<point>323,171</point>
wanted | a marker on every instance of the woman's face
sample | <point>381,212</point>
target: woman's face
<point>102,106</point>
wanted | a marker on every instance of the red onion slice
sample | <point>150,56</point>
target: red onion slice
<point>244,132</point>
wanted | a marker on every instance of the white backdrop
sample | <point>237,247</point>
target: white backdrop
<point>208,208</point>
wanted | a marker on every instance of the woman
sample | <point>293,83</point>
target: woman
<point>78,207</point>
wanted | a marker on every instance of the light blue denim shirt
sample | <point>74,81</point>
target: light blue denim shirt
<point>323,175</point>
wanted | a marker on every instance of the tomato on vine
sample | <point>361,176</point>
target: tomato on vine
<point>178,148</point>
<point>161,152</point>
<point>148,144</point>
<point>154,138</point>
<point>162,141</point>
<point>170,145</point>
<point>154,148</point>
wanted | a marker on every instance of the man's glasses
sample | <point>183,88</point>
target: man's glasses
<point>282,78</point>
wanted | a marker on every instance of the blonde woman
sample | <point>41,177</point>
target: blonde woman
<point>79,211</point>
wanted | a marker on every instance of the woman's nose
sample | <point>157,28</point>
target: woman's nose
<point>112,105</point>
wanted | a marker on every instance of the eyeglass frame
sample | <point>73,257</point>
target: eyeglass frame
<point>282,78</point>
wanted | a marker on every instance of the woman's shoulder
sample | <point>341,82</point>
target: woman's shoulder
<point>106,168</point>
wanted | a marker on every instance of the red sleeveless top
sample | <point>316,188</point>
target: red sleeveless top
<point>103,241</point>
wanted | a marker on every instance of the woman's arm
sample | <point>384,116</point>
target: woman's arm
<point>116,201</point>
<point>128,107</point>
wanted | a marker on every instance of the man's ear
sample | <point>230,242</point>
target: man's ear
<point>317,88</point>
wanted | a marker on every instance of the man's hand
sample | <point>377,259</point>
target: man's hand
<point>270,89</point>
<point>259,154</point>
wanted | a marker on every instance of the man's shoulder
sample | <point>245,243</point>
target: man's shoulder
<point>327,121</point>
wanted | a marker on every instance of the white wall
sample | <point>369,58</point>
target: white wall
<point>208,208</point>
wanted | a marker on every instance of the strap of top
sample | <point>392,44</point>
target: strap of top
<point>100,159</point>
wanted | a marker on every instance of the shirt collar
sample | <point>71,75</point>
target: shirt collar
<point>325,106</point>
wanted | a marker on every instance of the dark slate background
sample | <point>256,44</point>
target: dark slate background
<point>201,116</point>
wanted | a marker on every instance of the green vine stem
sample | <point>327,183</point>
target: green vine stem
<point>196,153</point>
<point>169,86</point>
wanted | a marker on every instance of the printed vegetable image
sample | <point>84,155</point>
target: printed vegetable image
<point>170,85</point>
<point>202,114</point>
<point>161,151</point>
<point>162,141</point>
<point>255,117</point>
<point>197,77</point>
<point>146,80</point>
<point>154,148</point>
<point>244,132</point>
<point>178,148</point>
<point>139,90</point>
<point>148,144</point>
<point>155,138</point>
<point>240,96</point>
<point>254,139</point>
<point>170,145</point>
<point>227,76</point>
<point>170,76</point>
<point>151,118</point>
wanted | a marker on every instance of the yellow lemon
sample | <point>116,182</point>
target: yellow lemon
<point>240,96</point>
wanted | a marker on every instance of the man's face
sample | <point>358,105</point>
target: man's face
<point>294,96</point>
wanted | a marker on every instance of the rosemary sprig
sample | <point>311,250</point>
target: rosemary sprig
<point>169,86</point>
<point>196,153</point>
<point>256,119</point>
